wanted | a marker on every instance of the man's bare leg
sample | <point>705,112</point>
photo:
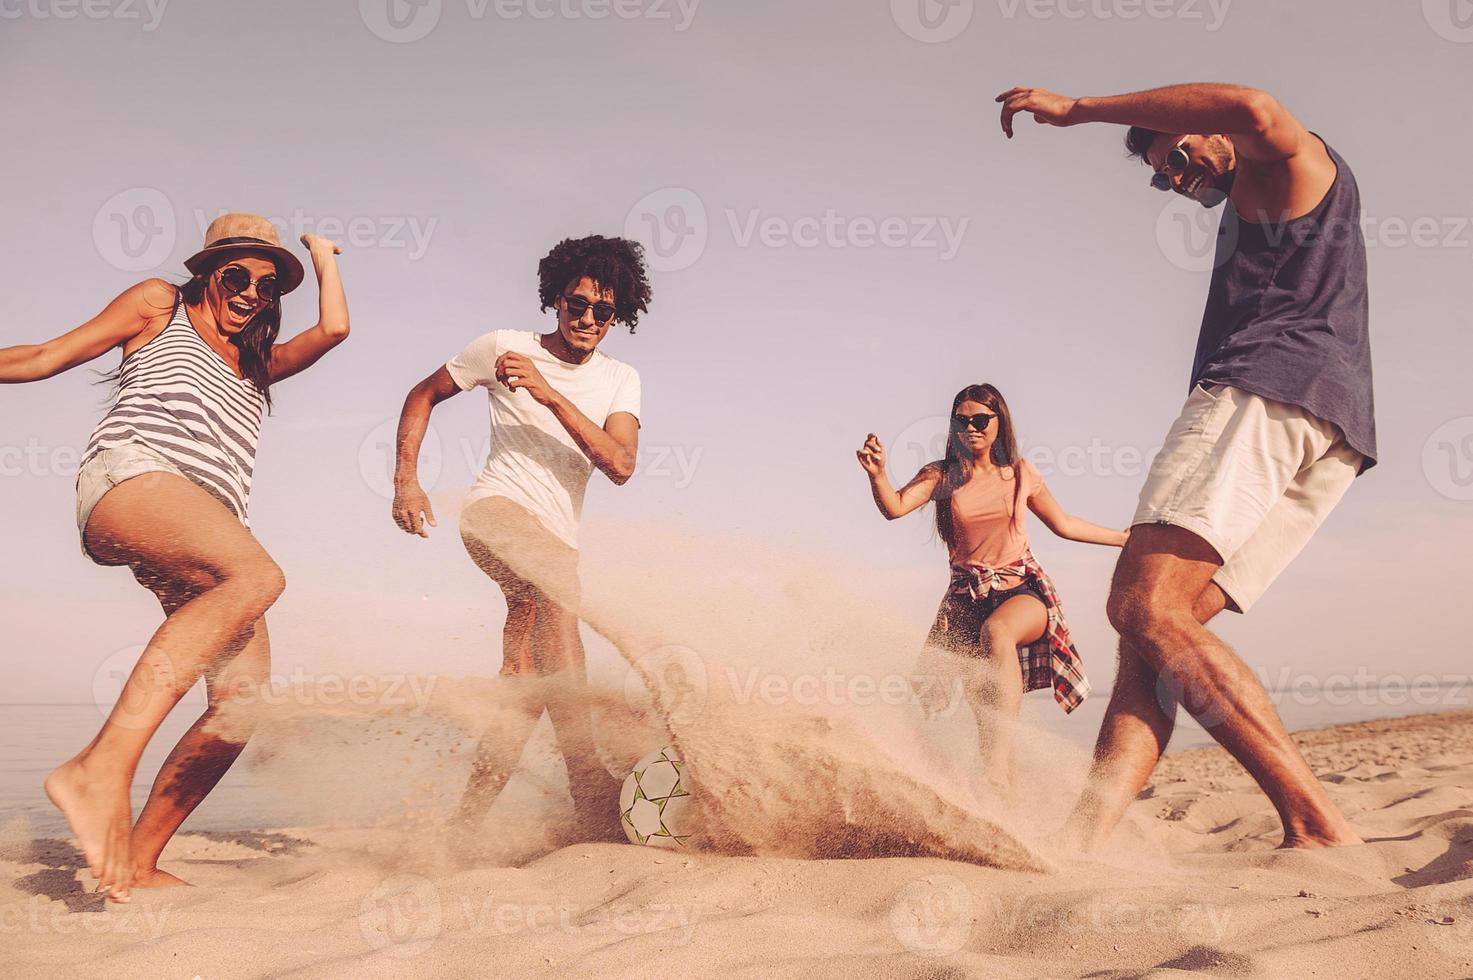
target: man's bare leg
<point>514,717</point>
<point>595,793</point>
<point>1137,727</point>
<point>1161,575</point>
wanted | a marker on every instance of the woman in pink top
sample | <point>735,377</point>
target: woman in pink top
<point>1001,606</point>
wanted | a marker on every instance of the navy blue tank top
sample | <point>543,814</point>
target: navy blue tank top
<point>1287,315</point>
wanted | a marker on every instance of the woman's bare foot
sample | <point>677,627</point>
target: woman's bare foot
<point>97,811</point>
<point>154,878</point>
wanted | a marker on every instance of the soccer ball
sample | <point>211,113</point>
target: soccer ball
<point>654,805</point>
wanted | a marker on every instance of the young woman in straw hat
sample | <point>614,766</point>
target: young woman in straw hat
<point>164,489</point>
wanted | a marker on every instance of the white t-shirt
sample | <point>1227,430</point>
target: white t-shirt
<point>534,461</point>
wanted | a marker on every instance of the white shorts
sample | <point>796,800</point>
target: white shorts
<point>1252,477</point>
<point>105,470</point>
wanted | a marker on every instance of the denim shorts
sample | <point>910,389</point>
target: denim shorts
<point>105,470</point>
<point>958,625</point>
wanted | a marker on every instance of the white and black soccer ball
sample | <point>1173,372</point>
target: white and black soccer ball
<point>654,805</point>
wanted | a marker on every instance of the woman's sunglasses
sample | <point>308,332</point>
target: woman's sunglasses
<point>980,422</point>
<point>1176,162</point>
<point>577,306</point>
<point>237,280</point>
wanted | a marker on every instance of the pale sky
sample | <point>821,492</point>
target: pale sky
<point>862,243</point>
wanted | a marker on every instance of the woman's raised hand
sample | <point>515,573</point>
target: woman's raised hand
<point>872,456</point>
<point>320,248</point>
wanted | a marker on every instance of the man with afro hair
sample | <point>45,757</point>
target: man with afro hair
<point>559,408</point>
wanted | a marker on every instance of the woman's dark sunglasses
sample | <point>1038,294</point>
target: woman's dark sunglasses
<point>237,280</point>
<point>1176,162</point>
<point>980,422</point>
<point>577,306</point>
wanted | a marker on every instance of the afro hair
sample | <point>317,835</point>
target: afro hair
<point>612,263</point>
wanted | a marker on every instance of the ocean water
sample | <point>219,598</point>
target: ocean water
<point>356,774</point>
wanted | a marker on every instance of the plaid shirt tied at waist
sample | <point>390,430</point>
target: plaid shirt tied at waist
<point>1050,661</point>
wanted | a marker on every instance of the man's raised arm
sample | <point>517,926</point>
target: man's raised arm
<point>1261,128</point>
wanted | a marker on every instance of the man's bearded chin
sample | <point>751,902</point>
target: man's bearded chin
<point>1222,186</point>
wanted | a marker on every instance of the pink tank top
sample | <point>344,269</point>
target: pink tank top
<point>986,526</point>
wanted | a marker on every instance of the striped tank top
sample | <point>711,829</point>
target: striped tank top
<point>179,398</point>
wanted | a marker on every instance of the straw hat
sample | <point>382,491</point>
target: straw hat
<point>238,232</point>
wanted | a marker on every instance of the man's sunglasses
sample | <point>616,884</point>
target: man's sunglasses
<point>577,306</point>
<point>1176,162</point>
<point>237,280</point>
<point>980,422</point>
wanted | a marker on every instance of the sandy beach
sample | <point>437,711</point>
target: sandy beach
<point>1191,884</point>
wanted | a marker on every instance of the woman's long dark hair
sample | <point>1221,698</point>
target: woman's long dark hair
<point>255,341</point>
<point>956,468</point>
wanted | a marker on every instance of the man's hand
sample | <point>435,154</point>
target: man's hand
<point>412,511</point>
<point>517,371</point>
<point>1047,107</point>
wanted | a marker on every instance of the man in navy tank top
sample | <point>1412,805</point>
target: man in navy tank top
<point>1278,423</point>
